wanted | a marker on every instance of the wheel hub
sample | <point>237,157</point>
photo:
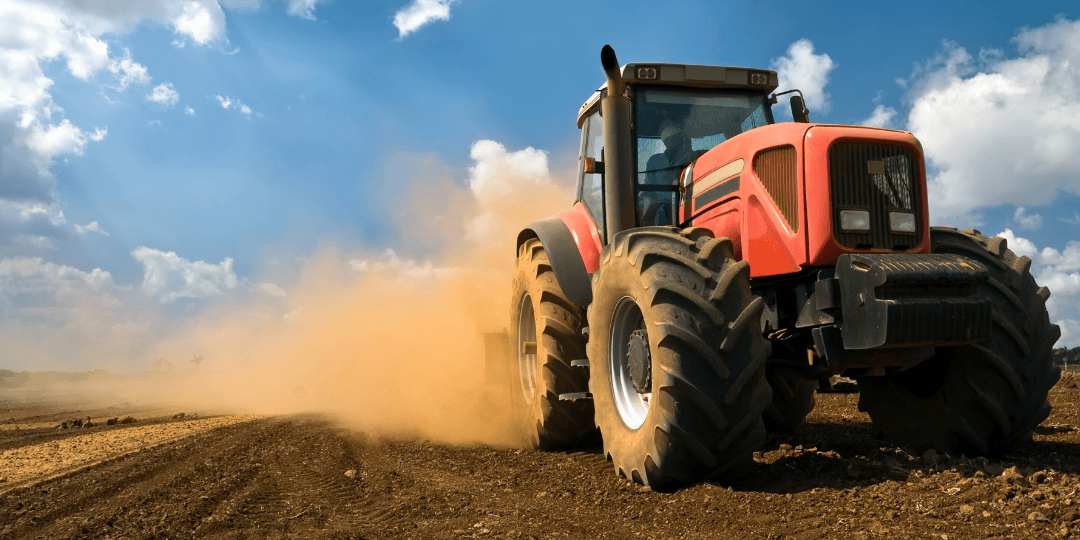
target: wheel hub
<point>639,362</point>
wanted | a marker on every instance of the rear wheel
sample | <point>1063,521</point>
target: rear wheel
<point>676,356</point>
<point>984,398</point>
<point>545,337</point>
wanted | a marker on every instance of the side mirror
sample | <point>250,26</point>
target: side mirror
<point>798,110</point>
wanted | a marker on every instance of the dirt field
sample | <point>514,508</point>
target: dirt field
<point>302,477</point>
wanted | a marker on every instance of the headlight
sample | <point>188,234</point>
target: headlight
<point>902,222</point>
<point>855,220</point>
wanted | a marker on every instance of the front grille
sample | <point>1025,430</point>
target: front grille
<point>880,178</point>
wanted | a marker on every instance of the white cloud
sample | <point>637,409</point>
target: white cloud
<point>90,227</point>
<point>882,117</point>
<point>35,242</point>
<point>419,13</point>
<point>406,269</point>
<point>998,130</point>
<point>498,176</point>
<point>241,4</point>
<point>271,289</point>
<point>127,71</point>
<point>169,277</point>
<point>64,285</point>
<point>227,103</point>
<point>809,72</point>
<point>305,9</point>
<point>189,111</point>
<point>33,129</point>
<point>50,141</point>
<point>496,172</point>
<point>1058,271</point>
<point>201,20</point>
<point>1027,222</point>
<point>164,94</point>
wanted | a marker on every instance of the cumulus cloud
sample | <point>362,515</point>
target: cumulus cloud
<point>202,21</point>
<point>55,316</point>
<point>90,227</point>
<point>882,117</point>
<point>419,13</point>
<point>189,111</point>
<point>1059,271</point>
<point>809,72</point>
<point>1000,130</point>
<point>305,9</point>
<point>164,94</point>
<point>127,71</point>
<point>271,289</point>
<point>48,284</point>
<point>49,141</point>
<point>33,129</point>
<point>1026,221</point>
<point>495,177</point>
<point>406,269</point>
<point>227,103</point>
<point>169,277</point>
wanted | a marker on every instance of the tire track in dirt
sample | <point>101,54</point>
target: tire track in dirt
<point>29,464</point>
<point>125,484</point>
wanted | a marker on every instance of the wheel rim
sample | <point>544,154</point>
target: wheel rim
<point>526,333</point>
<point>633,407</point>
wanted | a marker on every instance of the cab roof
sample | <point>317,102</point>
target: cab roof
<point>689,76</point>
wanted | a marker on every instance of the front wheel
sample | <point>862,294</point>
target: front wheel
<point>984,398</point>
<point>677,361</point>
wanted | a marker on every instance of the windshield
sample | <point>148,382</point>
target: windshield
<point>676,125</point>
<point>673,127</point>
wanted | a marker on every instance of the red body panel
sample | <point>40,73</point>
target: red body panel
<point>751,219</point>
<point>585,235</point>
<point>768,243</point>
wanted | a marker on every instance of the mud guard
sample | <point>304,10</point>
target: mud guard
<point>564,256</point>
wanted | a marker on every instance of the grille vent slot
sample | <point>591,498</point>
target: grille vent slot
<point>777,170</point>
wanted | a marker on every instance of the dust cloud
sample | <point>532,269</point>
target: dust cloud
<point>389,344</point>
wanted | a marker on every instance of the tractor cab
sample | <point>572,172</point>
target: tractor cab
<point>678,112</point>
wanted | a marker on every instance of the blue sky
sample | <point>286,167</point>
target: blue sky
<point>158,158</point>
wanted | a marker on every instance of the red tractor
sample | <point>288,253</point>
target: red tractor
<point>717,266</point>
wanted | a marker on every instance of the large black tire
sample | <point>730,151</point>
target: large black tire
<point>981,399</point>
<point>541,313</point>
<point>686,300</point>
<point>792,400</point>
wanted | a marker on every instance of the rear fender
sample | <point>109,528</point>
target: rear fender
<point>565,256</point>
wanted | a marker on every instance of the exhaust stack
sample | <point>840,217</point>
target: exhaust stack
<point>618,169</point>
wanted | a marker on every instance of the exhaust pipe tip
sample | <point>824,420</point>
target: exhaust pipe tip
<point>611,69</point>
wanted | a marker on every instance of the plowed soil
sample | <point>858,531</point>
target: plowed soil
<point>303,477</point>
